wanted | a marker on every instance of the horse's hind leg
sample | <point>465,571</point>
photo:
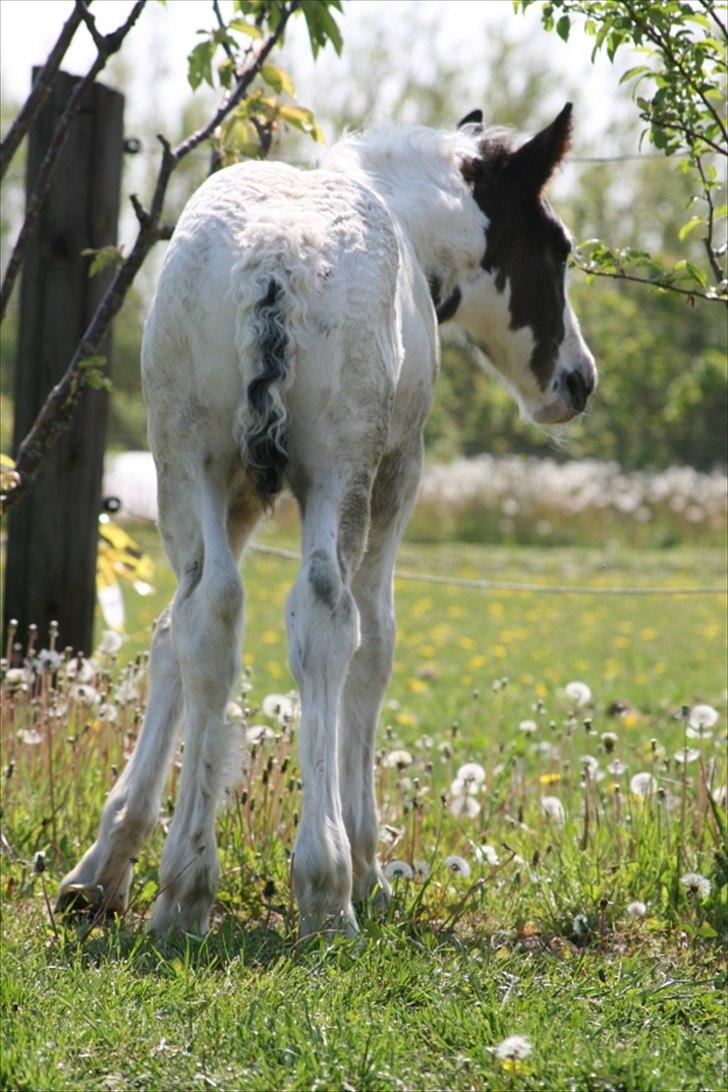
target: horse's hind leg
<point>323,633</point>
<point>392,499</point>
<point>101,878</point>
<point>207,618</point>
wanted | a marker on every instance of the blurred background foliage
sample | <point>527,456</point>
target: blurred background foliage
<point>662,361</point>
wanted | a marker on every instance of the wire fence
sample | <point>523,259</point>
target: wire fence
<point>506,585</point>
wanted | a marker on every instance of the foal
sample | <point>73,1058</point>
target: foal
<point>293,340</point>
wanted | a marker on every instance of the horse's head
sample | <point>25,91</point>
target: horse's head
<point>515,305</point>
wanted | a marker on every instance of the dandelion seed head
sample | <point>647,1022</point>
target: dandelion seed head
<point>702,716</point>
<point>642,784</point>
<point>457,865</point>
<point>580,925</point>
<point>686,755</point>
<point>471,772</point>
<point>616,768</point>
<point>397,760</point>
<point>696,884</point>
<point>466,807</point>
<point>398,870</point>
<point>553,809</point>
<point>514,1048</point>
<point>486,854</point>
<point>421,869</point>
<point>636,909</point>
<point>578,692</point>
<point>528,727</point>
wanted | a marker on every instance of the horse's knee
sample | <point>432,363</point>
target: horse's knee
<point>321,617</point>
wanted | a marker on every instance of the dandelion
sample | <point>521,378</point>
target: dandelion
<point>30,736</point>
<point>636,909</point>
<point>16,677</point>
<point>458,865</point>
<point>421,870</point>
<point>486,854</point>
<point>279,707</point>
<point>233,711</point>
<point>528,727</point>
<point>108,712</point>
<point>642,784</point>
<point>591,768</point>
<point>549,778</point>
<point>389,835</point>
<point>47,660</point>
<point>667,799</point>
<point>578,692</point>
<point>87,695</point>
<point>80,669</point>
<point>688,754</point>
<point>702,717</point>
<point>616,768</point>
<point>580,925</point>
<point>257,733</point>
<point>696,884</point>
<point>515,1048</point>
<point>466,807</point>
<point>553,809</point>
<point>110,643</point>
<point>398,870</point>
<point>471,773</point>
<point>397,760</point>
<point>609,739</point>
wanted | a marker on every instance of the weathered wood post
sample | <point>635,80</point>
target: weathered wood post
<point>52,533</point>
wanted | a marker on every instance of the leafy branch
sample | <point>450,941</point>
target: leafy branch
<point>684,46</point>
<point>270,18</point>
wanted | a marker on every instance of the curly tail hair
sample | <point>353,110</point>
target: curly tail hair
<point>265,440</point>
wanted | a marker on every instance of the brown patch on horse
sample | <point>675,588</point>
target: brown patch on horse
<point>526,244</point>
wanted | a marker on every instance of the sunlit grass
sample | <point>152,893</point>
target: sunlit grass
<point>539,891</point>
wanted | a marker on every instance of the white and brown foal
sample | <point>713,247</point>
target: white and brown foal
<point>293,341</point>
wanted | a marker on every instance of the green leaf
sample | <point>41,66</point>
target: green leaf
<point>302,119</point>
<point>199,64</point>
<point>638,70</point>
<point>103,257</point>
<point>563,27</point>
<point>276,78</point>
<point>245,28</point>
<point>91,362</point>
<point>690,226</point>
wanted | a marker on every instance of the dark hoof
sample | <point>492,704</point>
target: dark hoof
<point>83,900</point>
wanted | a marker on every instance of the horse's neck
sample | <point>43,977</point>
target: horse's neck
<point>436,214</point>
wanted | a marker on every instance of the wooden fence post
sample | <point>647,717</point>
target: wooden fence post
<point>52,533</point>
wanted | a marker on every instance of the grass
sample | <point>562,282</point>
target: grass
<point>535,940</point>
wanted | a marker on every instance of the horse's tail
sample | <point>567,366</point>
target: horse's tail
<point>278,281</point>
<point>264,432</point>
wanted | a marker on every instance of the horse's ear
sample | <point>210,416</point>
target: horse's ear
<point>534,162</point>
<point>475,117</point>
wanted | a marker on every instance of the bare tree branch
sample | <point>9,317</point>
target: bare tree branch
<point>60,406</point>
<point>708,241</point>
<point>107,45</point>
<point>40,89</point>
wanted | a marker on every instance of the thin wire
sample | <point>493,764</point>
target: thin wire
<point>499,585</point>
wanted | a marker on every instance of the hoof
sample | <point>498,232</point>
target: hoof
<point>79,900</point>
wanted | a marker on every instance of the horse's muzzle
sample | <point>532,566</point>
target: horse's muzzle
<point>574,388</point>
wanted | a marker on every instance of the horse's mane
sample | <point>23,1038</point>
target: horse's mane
<point>380,147</point>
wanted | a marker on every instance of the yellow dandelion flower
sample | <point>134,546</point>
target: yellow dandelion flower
<point>477,661</point>
<point>500,651</point>
<point>427,651</point>
<point>248,659</point>
<point>549,778</point>
<point>418,685</point>
<point>466,642</point>
<point>629,720</point>
<point>455,612</point>
<point>649,633</point>
<point>270,637</point>
<point>496,609</point>
<point>274,669</point>
<point>405,718</point>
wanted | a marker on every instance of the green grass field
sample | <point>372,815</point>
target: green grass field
<point>571,928</point>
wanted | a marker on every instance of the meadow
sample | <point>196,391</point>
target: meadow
<point>551,776</point>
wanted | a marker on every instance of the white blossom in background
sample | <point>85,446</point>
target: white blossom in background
<point>696,884</point>
<point>398,870</point>
<point>553,809</point>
